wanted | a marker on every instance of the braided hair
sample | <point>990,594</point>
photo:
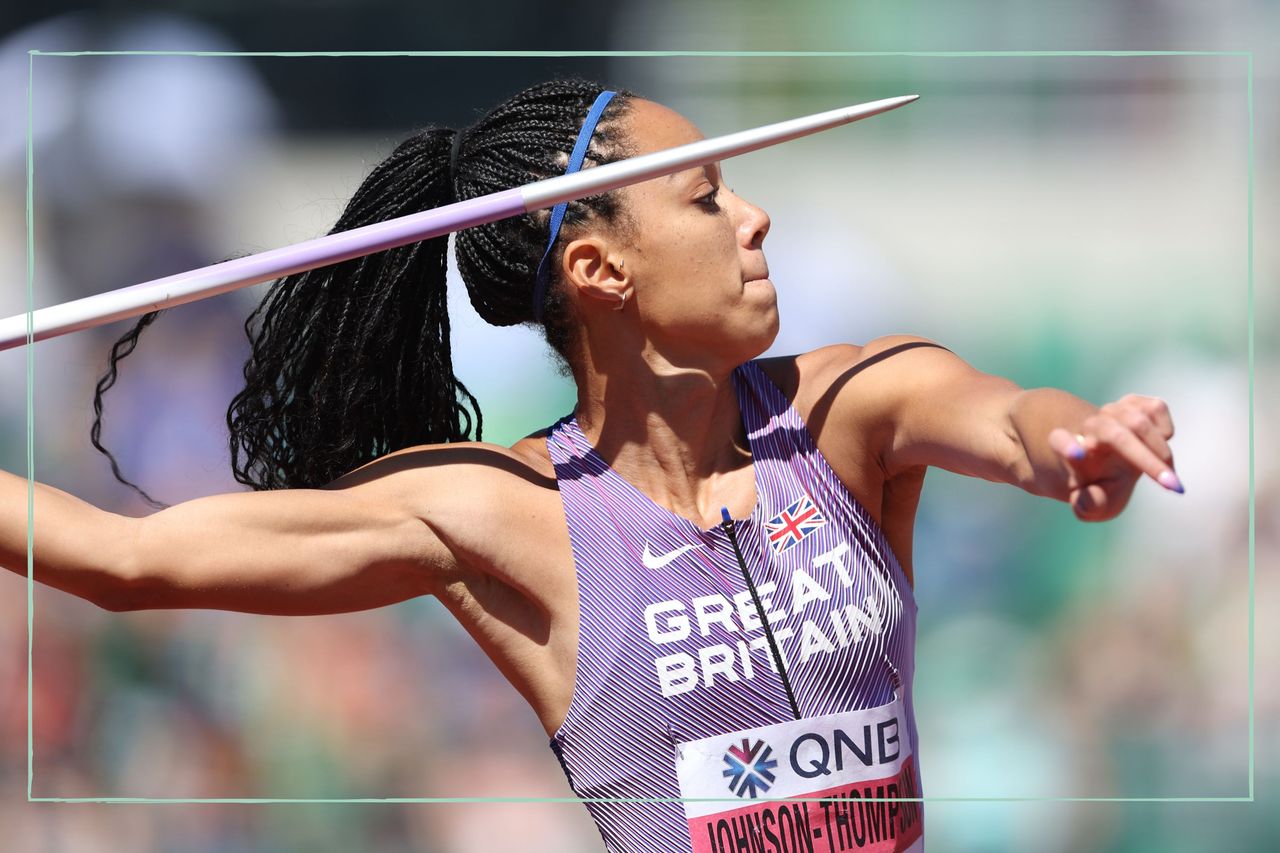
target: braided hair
<point>352,361</point>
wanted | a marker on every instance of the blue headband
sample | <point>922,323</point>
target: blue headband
<point>557,212</point>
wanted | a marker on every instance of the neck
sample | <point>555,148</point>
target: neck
<point>672,431</point>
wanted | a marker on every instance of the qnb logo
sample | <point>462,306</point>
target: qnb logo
<point>750,770</point>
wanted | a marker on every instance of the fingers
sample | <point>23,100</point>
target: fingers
<point>1124,429</point>
<point>1066,444</point>
<point>1140,456</point>
<point>1148,418</point>
<point>1093,503</point>
<point>1155,409</point>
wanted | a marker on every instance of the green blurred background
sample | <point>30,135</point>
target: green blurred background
<point>1076,222</point>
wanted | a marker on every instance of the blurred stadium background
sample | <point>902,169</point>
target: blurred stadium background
<point>1078,222</point>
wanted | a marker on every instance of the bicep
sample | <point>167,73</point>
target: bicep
<point>926,406</point>
<point>286,552</point>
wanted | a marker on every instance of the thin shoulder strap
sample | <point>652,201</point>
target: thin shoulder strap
<point>764,407</point>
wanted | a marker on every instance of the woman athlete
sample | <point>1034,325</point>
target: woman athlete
<point>701,578</point>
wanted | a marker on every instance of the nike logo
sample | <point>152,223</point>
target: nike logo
<point>652,562</point>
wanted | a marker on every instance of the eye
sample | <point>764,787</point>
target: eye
<point>709,200</point>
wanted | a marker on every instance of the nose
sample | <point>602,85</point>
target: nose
<point>753,225</point>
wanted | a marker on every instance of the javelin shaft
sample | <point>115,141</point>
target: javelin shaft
<point>230,275</point>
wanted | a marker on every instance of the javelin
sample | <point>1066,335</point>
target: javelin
<point>230,275</point>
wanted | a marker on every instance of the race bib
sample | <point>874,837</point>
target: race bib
<point>847,760</point>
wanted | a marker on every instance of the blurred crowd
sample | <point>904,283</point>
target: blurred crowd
<point>1055,659</point>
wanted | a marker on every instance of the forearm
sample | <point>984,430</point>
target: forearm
<point>77,547</point>
<point>1034,414</point>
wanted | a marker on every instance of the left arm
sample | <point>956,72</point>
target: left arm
<point>929,407</point>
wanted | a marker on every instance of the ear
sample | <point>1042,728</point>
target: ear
<point>596,272</point>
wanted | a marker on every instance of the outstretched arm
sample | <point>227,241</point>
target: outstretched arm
<point>78,548</point>
<point>286,552</point>
<point>929,407</point>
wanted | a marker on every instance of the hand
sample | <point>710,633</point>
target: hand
<point>1117,445</point>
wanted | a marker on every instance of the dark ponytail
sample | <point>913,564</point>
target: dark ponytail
<point>352,361</point>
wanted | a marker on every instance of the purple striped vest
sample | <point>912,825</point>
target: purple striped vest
<point>678,694</point>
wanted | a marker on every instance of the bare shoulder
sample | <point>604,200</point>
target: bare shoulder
<point>845,392</point>
<point>817,378</point>
<point>482,500</point>
<point>476,465</point>
<point>532,451</point>
<point>829,363</point>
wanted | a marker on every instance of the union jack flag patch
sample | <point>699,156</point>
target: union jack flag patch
<point>787,528</point>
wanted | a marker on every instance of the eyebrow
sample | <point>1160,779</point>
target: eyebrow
<point>703,168</point>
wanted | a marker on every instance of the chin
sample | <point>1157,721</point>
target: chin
<point>764,334</point>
